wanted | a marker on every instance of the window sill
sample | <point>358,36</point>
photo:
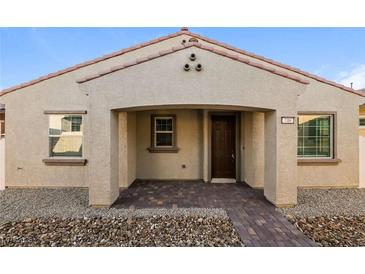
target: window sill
<point>163,150</point>
<point>65,161</point>
<point>335,161</point>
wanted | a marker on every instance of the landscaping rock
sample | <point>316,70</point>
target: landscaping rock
<point>328,202</point>
<point>132,231</point>
<point>19,204</point>
<point>333,231</point>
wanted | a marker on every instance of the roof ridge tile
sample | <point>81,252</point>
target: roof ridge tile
<point>210,49</point>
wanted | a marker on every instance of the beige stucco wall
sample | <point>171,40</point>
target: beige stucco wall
<point>28,127</point>
<point>127,148</point>
<point>163,82</point>
<point>222,82</point>
<point>253,153</point>
<point>345,173</point>
<point>362,113</point>
<point>322,97</point>
<point>27,136</point>
<point>169,165</point>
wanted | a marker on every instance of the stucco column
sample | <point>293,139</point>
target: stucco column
<point>242,147</point>
<point>258,148</point>
<point>127,148</point>
<point>123,148</point>
<point>205,145</point>
<point>254,144</point>
<point>104,157</point>
<point>280,186</point>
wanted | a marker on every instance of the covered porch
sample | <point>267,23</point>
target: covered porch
<point>212,144</point>
<point>220,145</point>
<point>254,145</point>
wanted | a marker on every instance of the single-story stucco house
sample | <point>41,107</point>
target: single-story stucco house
<point>182,107</point>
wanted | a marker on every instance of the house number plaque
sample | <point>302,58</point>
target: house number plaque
<point>287,120</point>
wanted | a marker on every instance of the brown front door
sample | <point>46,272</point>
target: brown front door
<point>224,146</point>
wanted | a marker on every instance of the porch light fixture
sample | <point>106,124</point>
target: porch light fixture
<point>187,67</point>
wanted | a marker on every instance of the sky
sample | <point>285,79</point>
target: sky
<point>336,54</point>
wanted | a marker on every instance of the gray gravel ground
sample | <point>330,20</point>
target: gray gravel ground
<point>328,202</point>
<point>17,204</point>
<point>121,231</point>
<point>61,217</point>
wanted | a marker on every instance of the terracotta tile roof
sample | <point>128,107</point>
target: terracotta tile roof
<point>181,32</point>
<point>188,45</point>
<point>270,61</point>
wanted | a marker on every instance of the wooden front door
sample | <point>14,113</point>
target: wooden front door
<point>224,146</point>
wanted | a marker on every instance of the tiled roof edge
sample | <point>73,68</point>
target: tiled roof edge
<point>91,62</point>
<point>183,31</point>
<point>270,61</point>
<point>188,45</point>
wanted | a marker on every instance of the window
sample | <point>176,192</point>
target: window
<point>65,135</point>
<point>2,129</point>
<point>315,136</point>
<point>163,133</point>
<point>362,122</point>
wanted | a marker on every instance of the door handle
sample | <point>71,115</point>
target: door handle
<point>233,156</point>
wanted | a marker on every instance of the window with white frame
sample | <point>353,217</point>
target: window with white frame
<point>163,135</point>
<point>65,135</point>
<point>315,136</point>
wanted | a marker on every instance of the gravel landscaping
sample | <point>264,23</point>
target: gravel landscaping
<point>333,231</point>
<point>328,202</point>
<point>141,231</point>
<point>61,217</point>
<point>332,217</point>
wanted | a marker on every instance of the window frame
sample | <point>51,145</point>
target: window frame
<point>54,135</point>
<point>2,134</point>
<point>333,139</point>
<point>153,147</point>
<point>361,117</point>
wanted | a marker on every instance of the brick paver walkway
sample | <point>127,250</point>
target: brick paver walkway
<point>254,218</point>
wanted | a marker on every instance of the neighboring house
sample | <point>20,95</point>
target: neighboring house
<point>2,120</point>
<point>182,107</point>
<point>2,147</point>
<point>362,141</point>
